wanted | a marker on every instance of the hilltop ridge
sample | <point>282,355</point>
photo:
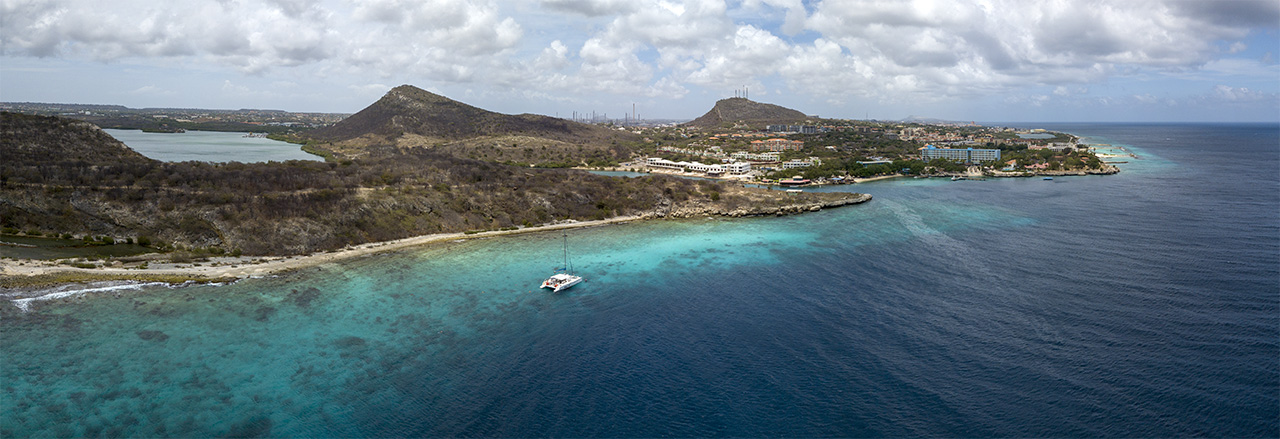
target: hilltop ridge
<point>408,117</point>
<point>745,111</point>
<point>408,109</point>
<point>31,138</point>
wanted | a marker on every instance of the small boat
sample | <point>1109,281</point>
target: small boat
<point>794,181</point>
<point>1048,178</point>
<point>562,278</point>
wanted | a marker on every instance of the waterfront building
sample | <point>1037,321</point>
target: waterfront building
<point>967,155</point>
<point>704,168</point>
<point>797,163</point>
<point>656,162</point>
<point>738,167</point>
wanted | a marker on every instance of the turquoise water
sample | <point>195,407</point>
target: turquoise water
<point>305,352</point>
<point>1128,305</point>
<point>209,146</point>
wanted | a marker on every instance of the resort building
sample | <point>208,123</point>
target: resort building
<point>776,145</point>
<point>761,157</point>
<point>797,163</point>
<point>704,168</point>
<point>712,152</point>
<point>802,129</point>
<point>967,155</point>
<point>738,167</point>
<point>655,162</point>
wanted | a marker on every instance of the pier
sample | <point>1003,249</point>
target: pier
<point>1106,151</point>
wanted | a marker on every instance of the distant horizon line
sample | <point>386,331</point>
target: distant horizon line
<point>935,119</point>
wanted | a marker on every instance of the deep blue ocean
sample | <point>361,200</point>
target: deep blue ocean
<point>1143,304</point>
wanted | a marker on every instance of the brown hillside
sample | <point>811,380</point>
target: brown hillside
<point>744,111</point>
<point>60,176</point>
<point>410,117</point>
<point>42,139</point>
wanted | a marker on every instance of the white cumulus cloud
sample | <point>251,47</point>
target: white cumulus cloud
<point>892,52</point>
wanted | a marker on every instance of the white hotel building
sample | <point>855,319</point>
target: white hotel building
<point>731,168</point>
<point>968,155</point>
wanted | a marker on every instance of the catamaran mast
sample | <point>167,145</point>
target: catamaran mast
<point>566,253</point>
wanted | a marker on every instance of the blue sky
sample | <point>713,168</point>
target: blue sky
<point>982,60</point>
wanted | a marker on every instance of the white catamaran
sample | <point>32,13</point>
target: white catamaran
<point>562,278</point>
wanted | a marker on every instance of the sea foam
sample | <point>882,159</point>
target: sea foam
<point>24,304</point>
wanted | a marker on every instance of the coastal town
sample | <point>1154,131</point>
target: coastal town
<point>841,152</point>
<point>175,120</point>
<point>803,151</point>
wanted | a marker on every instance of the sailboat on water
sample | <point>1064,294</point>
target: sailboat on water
<point>563,277</point>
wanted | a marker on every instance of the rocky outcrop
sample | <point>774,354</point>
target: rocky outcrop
<point>1105,170</point>
<point>692,210</point>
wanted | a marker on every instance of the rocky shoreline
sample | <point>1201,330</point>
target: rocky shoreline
<point>27,278</point>
<point>748,211</point>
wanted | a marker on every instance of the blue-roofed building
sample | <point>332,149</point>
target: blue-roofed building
<point>967,155</point>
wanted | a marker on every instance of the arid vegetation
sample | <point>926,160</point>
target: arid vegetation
<point>73,179</point>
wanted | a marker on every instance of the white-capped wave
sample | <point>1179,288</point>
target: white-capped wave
<point>25,303</point>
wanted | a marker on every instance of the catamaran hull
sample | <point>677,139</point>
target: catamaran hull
<point>556,285</point>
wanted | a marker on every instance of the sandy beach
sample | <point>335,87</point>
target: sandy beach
<point>230,268</point>
<point>882,177</point>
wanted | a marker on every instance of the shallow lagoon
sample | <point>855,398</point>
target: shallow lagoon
<point>210,146</point>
